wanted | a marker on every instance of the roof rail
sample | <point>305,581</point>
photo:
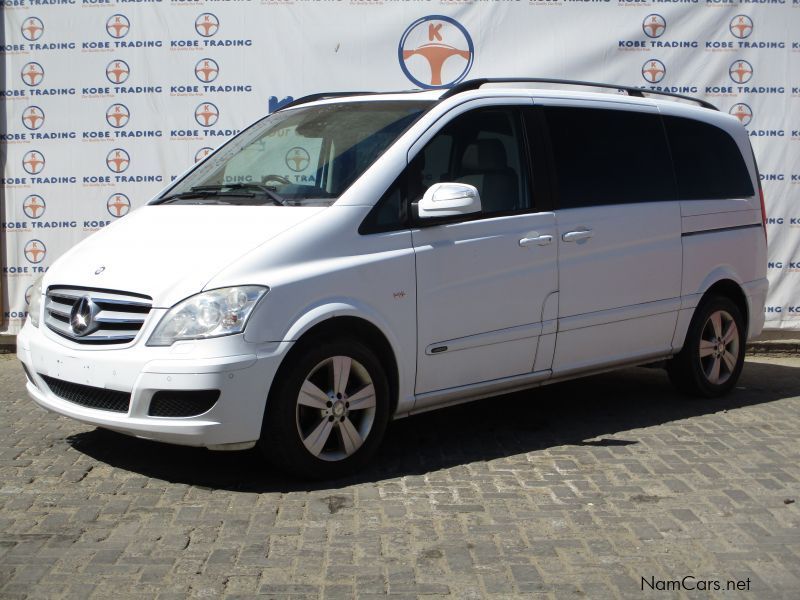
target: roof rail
<point>321,96</point>
<point>474,84</point>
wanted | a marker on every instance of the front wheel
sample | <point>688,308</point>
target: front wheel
<point>328,412</point>
<point>712,357</point>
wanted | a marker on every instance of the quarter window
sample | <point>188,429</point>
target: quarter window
<point>708,163</point>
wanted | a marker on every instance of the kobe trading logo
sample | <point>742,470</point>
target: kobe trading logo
<point>206,114</point>
<point>33,162</point>
<point>33,118</point>
<point>34,206</point>
<point>118,205</point>
<point>297,159</point>
<point>435,52</point>
<point>741,26</point>
<point>32,74</point>
<point>653,71</point>
<point>742,112</point>
<point>118,160</point>
<point>740,71</point>
<point>118,115</point>
<point>654,26</point>
<point>118,26</point>
<point>206,24</point>
<point>118,71</point>
<point>32,29</point>
<point>206,70</point>
<point>35,251</point>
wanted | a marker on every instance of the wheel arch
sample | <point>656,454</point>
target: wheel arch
<point>718,284</point>
<point>734,292</point>
<point>335,326</point>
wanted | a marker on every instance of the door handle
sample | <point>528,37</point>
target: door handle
<point>577,236</point>
<point>540,240</point>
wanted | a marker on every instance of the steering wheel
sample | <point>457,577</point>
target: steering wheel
<point>278,178</point>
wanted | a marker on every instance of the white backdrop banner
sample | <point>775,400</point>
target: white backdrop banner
<point>104,102</point>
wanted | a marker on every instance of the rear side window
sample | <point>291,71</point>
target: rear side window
<point>609,156</point>
<point>708,164</point>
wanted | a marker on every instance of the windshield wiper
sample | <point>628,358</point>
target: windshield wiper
<point>254,187</point>
<point>236,189</point>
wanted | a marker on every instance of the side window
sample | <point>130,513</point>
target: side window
<point>609,156</point>
<point>708,163</point>
<point>483,147</point>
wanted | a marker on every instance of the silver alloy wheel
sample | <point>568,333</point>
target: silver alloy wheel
<point>335,408</point>
<point>719,347</point>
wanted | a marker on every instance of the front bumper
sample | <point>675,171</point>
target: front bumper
<point>242,372</point>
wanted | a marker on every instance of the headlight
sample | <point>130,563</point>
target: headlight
<point>209,314</point>
<point>35,303</point>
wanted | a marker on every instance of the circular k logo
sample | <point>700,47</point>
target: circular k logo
<point>118,26</point>
<point>33,162</point>
<point>32,74</point>
<point>118,160</point>
<point>653,71</point>
<point>435,52</point>
<point>206,24</point>
<point>117,71</point>
<point>297,159</point>
<point>33,118</point>
<point>206,70</point>
<point>742,112</point>
<point>206,114</point>
<point>32,29</point>
<point>202,153</point>
<point>33,206</point>
<point>741,26</point>
<point>654,26</point>
<point>741,71</point>
<point>118,115</point>
<point>118,205</point>
<point>35,251</point>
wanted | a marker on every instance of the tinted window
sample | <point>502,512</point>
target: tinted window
<point>707,161</point>
<point>609,156</point>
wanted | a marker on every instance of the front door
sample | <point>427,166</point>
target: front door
<point>482,280</point>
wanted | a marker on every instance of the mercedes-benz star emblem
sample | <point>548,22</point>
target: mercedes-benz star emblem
<point>81,317</point>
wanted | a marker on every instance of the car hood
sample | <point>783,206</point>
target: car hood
<point>171,252</point>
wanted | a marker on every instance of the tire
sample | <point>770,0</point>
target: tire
<point>312,427</point>
<point>712,357</point>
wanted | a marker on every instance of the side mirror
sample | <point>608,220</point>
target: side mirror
<point>449,200</point>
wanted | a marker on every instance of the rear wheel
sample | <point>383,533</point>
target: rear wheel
<point>329,411</point>
<point>713,354</point>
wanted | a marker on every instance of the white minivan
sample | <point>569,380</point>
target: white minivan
<point>355,258</point>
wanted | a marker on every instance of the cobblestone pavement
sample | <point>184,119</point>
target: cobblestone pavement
<point>578,490</point>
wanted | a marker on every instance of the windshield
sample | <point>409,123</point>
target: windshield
<point>301,157</point>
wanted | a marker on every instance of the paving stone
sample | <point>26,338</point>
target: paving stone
<point>577,490</point>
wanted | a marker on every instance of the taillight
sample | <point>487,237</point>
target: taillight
<point>763,209</point>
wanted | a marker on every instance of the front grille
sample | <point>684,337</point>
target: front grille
<point>115,317</point>
<point>180,403</point>
<point>88,396</point>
